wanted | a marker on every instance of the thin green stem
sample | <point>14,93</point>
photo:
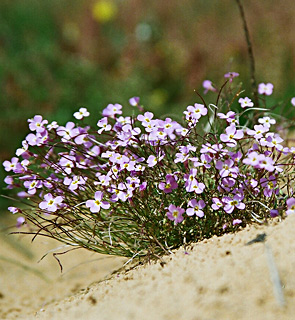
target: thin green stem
<point>250,53</point>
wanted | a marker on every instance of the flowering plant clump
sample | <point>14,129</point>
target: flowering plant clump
<point>140,186</point>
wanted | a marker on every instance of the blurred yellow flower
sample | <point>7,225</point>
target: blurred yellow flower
<point>104,10</point>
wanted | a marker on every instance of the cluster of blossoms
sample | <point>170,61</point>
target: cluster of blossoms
<point>140,185</point>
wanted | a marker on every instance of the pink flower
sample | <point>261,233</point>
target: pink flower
<point>97,203</point>
<point>265,89</point>
<point>293,101</point>
<point>175,213</point>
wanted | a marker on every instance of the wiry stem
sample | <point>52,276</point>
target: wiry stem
<point>250,53</point>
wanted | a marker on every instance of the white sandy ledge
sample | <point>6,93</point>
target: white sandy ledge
<point>220,278</point>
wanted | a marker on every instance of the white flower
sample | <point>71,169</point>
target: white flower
<point>246,102</point>
<point>82,113</point>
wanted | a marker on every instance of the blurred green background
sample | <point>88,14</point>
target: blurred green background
<point>59,55</point>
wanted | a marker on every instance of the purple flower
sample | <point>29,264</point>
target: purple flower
<point>197,187</point>
<point>73,182</point>
<point>266,163</point>
<point>37,124</point>
<point>265,89</point>
<point>266,121</point>
<point>236,156</point>
<point>253,158</point>
<point>14,210</point>
<point>196,208</point>
<point>269,186</point>
<point>230,204</point>
<point>229,117</point>
<point>12,165</point>
<point>226,167</point>
<point>32,185</point>
<point>97,203</point>
<point>290,206</point>
<point>293,101</point>
<point>111,110</point>
<point>143,186</point>
<point>103,124</point>
<point>208,148</point>
<point>231,135</point>
<point>37,139</point>
<point>273,213</point>
<point>226,184</point>
<point>207,85</point>
<point>50,203</point>
<point>231,75</point>
<point>183,155</point>
<point>52,125</point>
<point>175,214</point>
<point>20,221</point>
<point>216,204</point>
<point>237,221</point>
<point>67,132</point>
<point>195,112</point>
<point>151,161</point>
<point>67,163</point>
<point>21,151</point>
<point>83,138</point>
<point>9,181</point>
<point>134,101</point>
<point>258,131</point>
<point>246,102</point>
<point>170,184</point>
<point>204,161</point>
<point>146,119</point>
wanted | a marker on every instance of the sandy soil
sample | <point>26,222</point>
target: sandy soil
<point>221,278</point>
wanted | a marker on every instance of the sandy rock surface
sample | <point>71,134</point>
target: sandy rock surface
<point>221,278</point>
